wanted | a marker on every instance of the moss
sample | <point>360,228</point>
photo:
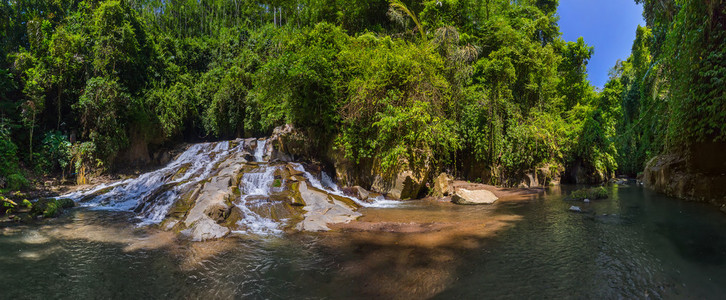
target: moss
<point>277,183</point>
<point>7,205</point>
<point>295,198</point>
<point>588,193</point>
<point>65,203</point>
<point>48,208</point>
<point>16,182</point>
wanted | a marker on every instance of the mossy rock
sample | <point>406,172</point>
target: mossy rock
<point>588,193</point>
<point>50,207</point>
<point>66,203</point>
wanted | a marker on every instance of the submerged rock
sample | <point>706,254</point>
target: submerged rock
<point>464,196</point>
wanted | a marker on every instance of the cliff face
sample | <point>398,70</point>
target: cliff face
<point>697,173</point>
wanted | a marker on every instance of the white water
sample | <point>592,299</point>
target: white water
<point>326,184</point>
<point>257,185</point>
<point>152,194</point>
<point>134,194</point>
<point>260,150</point>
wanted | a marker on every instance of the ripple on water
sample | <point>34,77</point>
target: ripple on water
<point>646,246</point>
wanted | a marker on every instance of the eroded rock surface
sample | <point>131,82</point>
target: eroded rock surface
<point>216,189</point>
<point>464,196</point>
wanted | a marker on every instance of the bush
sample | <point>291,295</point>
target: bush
<point>50,207</point>
<point>8,152</point>
<point>591,193</point>
<point>56,153</point>
<point>16,182</point>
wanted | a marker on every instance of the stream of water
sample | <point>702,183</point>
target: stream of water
<point>636,244</point>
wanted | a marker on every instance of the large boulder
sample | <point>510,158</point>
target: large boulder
<point>464,196</point>
<point>695,173</point>
<point>405,185</point>
<point>322,209</point>
<point>443,185</point>
<point>288,144</point>
<point>360,193</point>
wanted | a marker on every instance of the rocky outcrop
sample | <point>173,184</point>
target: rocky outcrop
<point>322,208</point>
<point>404,185</point>
<point>212,190</point>
<point>443,185</point>
<point>464,196</point>
<point>695,174</point>
<point>579,172</point>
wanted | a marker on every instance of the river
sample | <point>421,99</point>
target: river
<point>635,244</point>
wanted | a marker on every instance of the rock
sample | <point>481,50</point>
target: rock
<point>65,203</point>
<point>588,193</point>
<point>443,186</point>
<point>575,208</point>
<point>464,196</point>
<point>205,229</point>
<point>322,209</point>
<point>47,207</point>
<point>694,172</point>
<point>406,185</point>
<point>586,200</point>
<point>287,143</point>
<point>360,193</point>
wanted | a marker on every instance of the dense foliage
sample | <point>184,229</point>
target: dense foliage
<point>674,82</point>
<point>452,85</point>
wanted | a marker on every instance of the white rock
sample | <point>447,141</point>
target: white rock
<point>464,196</point>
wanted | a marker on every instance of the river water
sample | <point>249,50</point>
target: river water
<point>636,244</point>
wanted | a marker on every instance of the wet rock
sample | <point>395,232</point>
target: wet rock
<point>322,209</point>
<point>360,193</point>
<point>218,213</point>
<point>205,229</point>
<point>443,185</point>
<point>464,196</point>
<point>50,207</point>
<point>575,208</point>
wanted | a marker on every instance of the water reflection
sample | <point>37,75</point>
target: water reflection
<point>636,244</point>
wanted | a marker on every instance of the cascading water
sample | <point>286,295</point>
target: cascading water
<point>260,150</point>
<point>326,184</point>
<point>163,185</point>
<point>256,185</point>
<point>211,190</point>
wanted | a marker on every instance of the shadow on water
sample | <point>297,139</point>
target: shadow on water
<point>636,244</point>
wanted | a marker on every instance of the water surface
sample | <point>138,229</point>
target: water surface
<point>636,244</point>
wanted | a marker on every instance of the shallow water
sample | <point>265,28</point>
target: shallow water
<point>636,244</point>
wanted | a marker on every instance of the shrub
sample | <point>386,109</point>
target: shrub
<point>588,193</point>
<point>16,182</point>
<point>50,207</point>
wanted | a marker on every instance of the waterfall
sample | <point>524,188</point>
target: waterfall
<point>260,150</point>
<point>257,185</point>
<point>164,185</point>
<point>199,178</point>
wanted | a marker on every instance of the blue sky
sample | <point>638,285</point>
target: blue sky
<point>609,25</point>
